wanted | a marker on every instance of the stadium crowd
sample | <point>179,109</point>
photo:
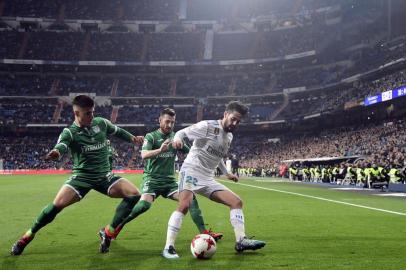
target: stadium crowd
<point>28,152</point>
<point>258,155</point>
<point>42,110</point>
<point>375,146</point>
<point>380,145</point>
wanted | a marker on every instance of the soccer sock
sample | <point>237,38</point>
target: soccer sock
<point>28,236</point>
<point>141,207</point>
<point>237,221</point>
<point>46,216</point>
<point>196,215</point>
<point>175,221</point>
<point>123,210</point>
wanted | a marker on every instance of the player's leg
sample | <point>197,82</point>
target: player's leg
<point>66,196</point>
<point>143,205</point>
<point>195,212</point>
<point>117,187</point>
<point>175,223</point>
<point>235,204</point>
<point>122,188</point>
<point>149,193</point>
<point>129,209</point>
<point>196,215</point>
<point>237,220</point>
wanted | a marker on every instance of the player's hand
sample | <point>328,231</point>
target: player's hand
<point>232,177</point>
<point>138,139</point>
<point>177,144</point>
<point>53,155</point>
<point>165,145</point>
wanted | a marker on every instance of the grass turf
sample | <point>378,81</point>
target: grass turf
<point>301,233</point>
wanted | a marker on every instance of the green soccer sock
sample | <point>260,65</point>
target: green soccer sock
<point>123,210</point>
<point>196,215</point>
<point>46,216</point>
<point>141,207</point>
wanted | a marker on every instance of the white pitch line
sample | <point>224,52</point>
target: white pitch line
<point>320,198</point>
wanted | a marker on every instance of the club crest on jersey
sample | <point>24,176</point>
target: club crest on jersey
<point>216,131</point>
<point>96,129</point>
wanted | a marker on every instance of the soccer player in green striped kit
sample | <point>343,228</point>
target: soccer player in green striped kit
<point>86,139</point>
<point>159,176</point>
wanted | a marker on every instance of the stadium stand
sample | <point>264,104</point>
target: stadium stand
<point>313,60</point>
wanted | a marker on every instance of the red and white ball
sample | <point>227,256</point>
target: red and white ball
<point>203,246</point>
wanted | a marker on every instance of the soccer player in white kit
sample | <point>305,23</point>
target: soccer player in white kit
<point>211,141</point>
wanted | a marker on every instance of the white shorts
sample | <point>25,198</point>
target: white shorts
<point>199,183</point>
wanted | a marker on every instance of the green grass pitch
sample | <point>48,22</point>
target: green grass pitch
<point>301,232</point>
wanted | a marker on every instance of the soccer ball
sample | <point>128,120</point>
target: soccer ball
<point>203,246</point>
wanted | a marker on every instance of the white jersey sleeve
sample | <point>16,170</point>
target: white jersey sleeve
<point>193,132</point>
<point>223,167</point>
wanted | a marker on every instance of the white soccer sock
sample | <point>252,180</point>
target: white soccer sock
<point>237,221</point>
<point>175,221</point>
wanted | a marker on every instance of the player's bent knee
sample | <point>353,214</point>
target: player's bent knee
<point>134,192</point>
<point>124,188</point>
<point>240,203</point>
<point>184,208</point>
<point>237,204</point>
<point>63,202</point>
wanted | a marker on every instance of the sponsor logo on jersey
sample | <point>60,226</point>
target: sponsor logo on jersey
<point>166,155</point>
<point>96,129</point>
<point>94,147</point>
<point>216,152</point>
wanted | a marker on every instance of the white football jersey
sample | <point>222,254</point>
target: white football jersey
<point>210,146</point>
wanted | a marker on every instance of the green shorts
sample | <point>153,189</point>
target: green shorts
<point>82,185</point>
<point>158,188</point>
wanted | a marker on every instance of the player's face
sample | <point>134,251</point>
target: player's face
<point>166,123</point>
<point>84,116</point>
<point>231,120</point>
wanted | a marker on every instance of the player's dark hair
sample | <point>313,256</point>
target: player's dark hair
<point>168,111</point>
<point>237,106</point>
<point>83,101</point>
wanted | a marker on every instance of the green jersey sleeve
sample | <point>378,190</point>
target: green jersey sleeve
<point>64,140</point>
<point>148,142</point>
<point>117,132</point>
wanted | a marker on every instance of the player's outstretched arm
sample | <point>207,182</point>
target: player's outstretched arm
<point>137,139</point>
<point>147,152</point>
<point>61,147</point>
<point>122,133</point>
